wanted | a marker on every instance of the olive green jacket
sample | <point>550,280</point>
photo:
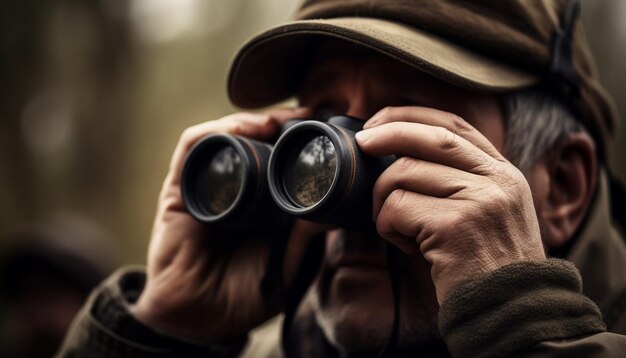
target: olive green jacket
<point>522,310</point>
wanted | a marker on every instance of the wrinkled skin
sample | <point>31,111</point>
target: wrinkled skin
<point>202,286</point>
<point>452,203</point>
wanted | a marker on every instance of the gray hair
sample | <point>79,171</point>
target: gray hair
<point>536,120</point>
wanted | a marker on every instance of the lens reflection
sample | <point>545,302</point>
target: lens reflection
<point>220,181</point>
<point>309,175</point>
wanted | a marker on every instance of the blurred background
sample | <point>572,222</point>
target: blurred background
<point>95,93</point>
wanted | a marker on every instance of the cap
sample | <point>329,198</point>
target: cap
<point>488,46</point>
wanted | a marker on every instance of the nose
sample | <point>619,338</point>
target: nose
<point>362,107</point>
<point>358,108</point>
<point>360,97</point>
<point>341,242</point>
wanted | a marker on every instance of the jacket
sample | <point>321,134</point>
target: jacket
<point>521,310</point>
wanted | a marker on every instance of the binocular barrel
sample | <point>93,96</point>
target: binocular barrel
<point>224,182</point>
<point>315,171</point>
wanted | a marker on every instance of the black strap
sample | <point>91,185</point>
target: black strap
<point>275,292</point>
<point>272,285</point>
<point>307,270</point>
<point>395,273</point>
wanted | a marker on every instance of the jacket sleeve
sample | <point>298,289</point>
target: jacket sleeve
<point>104,327</point>
<point>529,309</point>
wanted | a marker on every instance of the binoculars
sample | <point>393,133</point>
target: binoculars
<point>314,171</point>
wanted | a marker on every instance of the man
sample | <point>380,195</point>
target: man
<point>456,90</point>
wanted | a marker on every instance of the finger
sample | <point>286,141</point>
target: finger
<point>406,244</point>
<point>247,124</point>
<point>251,125</point>
<point>425,142</point>
<point>407,218</point>
<point>438,118</point>
<point>283,115</point>
<point>419,176</point>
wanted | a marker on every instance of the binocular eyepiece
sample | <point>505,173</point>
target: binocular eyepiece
<point>315,171</point>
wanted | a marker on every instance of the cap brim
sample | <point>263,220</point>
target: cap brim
<point>269,68</point>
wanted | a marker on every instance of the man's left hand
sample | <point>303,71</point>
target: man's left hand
<point>450,195</point>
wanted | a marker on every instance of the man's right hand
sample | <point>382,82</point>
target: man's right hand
<point>200,286</point>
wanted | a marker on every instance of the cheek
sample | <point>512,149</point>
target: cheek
<point>482,112</point>
<point>487,118</point>
<point>495,132</point>
<point>539,182</point>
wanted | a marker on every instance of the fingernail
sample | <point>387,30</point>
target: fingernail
<point>363,136</point>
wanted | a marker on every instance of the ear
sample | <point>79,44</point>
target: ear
<point>571,172</point>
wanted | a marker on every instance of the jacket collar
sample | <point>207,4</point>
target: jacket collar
<point>599,253</point>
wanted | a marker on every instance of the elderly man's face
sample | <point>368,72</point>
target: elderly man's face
<point>352,297</point>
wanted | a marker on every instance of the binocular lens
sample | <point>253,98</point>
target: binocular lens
<point>310,173</point>
<point>219,183</point>
<point>224,183</point>
<point>316,171</point>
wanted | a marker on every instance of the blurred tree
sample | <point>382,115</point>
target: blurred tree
<point>95,93</point>
<point>65,92</point>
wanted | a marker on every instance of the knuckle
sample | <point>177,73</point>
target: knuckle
<point>382,226</point>
<point>382,223</point>
<point>456,219</point>
<point>406,164</point>
<point>235,128</point>
<point>515,174</point>
<point>447,139</point>
<point>487,168</point>
<point>389,210</point>
<point>186,134</point>
<point>395,200</point>
<point>266,119</point>
<point>499,196</point>
<point>458,123</point>
<point>496,199</point>
<point>383,184</point>
<point>509,178</point>
<point>387,112</point>
<point>189,136</point>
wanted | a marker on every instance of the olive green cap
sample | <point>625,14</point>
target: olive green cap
<point>489,46</point>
